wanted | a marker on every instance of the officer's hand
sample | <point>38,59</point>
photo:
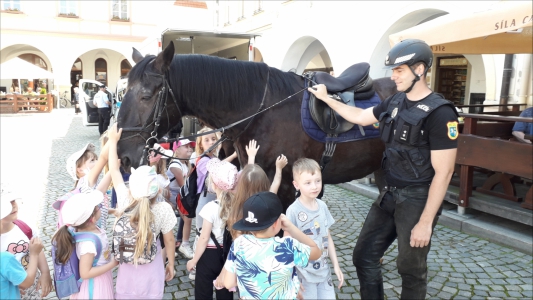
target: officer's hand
<point>420,235</point>
<point>320,91</point>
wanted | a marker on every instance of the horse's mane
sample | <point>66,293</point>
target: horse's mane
<point>220,82</point>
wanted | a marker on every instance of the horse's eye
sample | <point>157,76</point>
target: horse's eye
<point>146,98</point>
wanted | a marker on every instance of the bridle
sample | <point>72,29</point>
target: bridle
<point>157,110</point>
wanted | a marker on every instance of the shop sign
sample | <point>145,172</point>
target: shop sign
<point>510,23</point>
<point>461,61</point>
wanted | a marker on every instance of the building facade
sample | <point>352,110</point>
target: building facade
<point>332,35</point>
<point>86,39</point>
<point>93,40</point>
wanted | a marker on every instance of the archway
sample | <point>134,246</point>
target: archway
<point>307,53</point>
<point>104,65</point>
<point>32,55</point>
<point>382,47</point>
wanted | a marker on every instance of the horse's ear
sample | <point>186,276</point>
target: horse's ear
<point>136,55</point>
<point>163,60</point>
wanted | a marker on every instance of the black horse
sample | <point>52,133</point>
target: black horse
<point>221,91</point>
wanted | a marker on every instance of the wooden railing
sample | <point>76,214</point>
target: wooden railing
<point>480,109</point>
<point>13,104</point>
<point>486,145</point>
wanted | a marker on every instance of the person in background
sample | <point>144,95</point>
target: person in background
<point>520,129</point>
<point>103,103</point>
<point>76,101</point>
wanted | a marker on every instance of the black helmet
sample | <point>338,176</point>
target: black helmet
<point>409,52</point>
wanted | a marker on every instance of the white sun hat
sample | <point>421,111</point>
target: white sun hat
<point>80,207</point>
<point>143,182</point>
<point>72,159</point>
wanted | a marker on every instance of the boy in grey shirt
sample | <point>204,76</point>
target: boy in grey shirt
<point>313,218</point>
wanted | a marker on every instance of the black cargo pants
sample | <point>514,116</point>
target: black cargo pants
<point>393,215</point>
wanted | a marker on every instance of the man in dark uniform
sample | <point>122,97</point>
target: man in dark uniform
<point>420,130</point>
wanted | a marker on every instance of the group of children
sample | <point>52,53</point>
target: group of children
<point>238,222</point>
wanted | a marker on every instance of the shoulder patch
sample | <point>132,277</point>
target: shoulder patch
<point>453,130</point>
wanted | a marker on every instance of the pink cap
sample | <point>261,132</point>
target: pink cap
<point>222,173</point>
<point>183,142</point>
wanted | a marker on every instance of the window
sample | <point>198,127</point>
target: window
<point>120,10</point>
<point>100,67</point>
<point>13,5</point>
<point>125,67</point>
<point>68,8</point>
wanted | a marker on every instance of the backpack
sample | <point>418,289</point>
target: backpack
<point>25,228</point>
<point>67,279</point>
<point>124,242</point>
<point>187,198</point>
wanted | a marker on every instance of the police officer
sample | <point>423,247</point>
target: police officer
<point>420,130</point>
<point>101,100</point>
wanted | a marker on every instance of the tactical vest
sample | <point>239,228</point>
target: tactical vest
<point>407,156</point>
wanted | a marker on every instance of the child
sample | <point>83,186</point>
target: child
<point>251,180</point>
<point>312,216</point>
<point>159,162</point>
<point>264,264</point>
<point>12,274</point>
<point>82,211</point>
<point>178,170</point>
<point>147,281</point>
<point>203,143</point>
<point>84,166</point>
<point>16,240</point>
<point>208,254</point>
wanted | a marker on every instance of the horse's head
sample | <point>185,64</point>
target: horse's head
<point>148,110</point>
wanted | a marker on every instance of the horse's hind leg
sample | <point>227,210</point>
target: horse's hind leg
<point>379,175</point>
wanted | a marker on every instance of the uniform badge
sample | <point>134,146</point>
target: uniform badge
<point>302,216</point>
<point>394,112</point>
<point>376,125</point>
<point>453,130</point>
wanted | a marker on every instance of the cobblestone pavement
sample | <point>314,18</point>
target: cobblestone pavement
<point>34,149</point>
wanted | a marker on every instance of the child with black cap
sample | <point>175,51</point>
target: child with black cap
<point>264,263</point>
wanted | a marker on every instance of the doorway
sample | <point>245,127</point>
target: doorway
<point>451,81</point>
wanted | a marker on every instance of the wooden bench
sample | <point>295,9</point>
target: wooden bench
<point>13,104</point>
<point>487,146</point>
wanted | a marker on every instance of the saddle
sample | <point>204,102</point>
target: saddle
<point>352,85</point>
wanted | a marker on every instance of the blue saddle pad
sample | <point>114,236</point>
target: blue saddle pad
<point>312,129</point>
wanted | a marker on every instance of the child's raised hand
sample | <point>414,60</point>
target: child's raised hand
<point>114,133</point>
<point>252,148</point>
<point>36,246</point>
<point>281,162</point>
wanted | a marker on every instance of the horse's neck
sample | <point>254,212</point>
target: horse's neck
<point>216,117</point>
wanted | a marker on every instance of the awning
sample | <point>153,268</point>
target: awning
<point>504,29</point>
<point>17,68</point>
